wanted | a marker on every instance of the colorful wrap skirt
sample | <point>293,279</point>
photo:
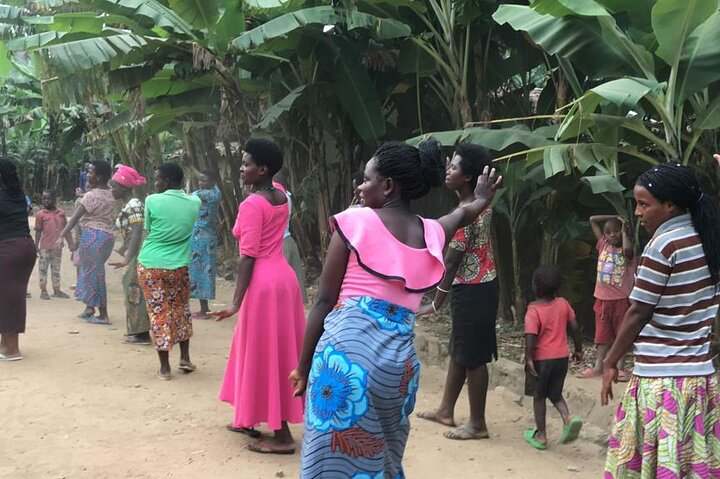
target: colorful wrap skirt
<point>361,391</point>
<point>666,428</point>
<point>167,294</point>
<point>135,308</point>
<point>95,248</point>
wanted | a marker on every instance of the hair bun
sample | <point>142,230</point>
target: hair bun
<point>431,165</point>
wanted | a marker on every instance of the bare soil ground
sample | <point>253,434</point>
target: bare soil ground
<point>85,405</point>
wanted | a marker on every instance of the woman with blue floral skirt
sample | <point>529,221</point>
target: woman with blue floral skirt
<point>358,361</point>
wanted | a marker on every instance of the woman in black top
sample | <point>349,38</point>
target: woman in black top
<point>17,259</point>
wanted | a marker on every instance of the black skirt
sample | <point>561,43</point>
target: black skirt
<point>473,340</point>
<point>17,259</point>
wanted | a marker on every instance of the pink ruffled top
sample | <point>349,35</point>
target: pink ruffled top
<point>384,268</point>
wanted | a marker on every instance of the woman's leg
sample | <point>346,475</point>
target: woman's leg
<point>165,369</point>
<point>204,308</point>
<point>281,443</point>
<point>478,380</point>
<point>454,381</point>
<point>9,344</point>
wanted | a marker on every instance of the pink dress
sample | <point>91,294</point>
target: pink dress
<point>268,337</point>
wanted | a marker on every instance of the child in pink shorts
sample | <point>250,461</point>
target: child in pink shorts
<point>615,278</point>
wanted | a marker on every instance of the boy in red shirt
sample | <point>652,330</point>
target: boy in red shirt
<point>49,223</point>
<point>615,279</point>
<point>546,355</point>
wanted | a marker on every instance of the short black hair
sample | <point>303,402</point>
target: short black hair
<point>171,172</point>
<point>265,152</point>
<point>102,169</point>
<point>473,160</point>
<point>613,221</point>
<point>547,281</point>
<point>50,192</point>
<point>212,176</point>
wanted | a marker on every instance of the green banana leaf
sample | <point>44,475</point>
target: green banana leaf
<point>276,111</point>
<point>674,20</point>
<point>497,140</point>
<point>160,15</point>
<point>200,14</point>
<point>230,25</point>
<point>561,8</point>
<point>700,60</point>
<point>84,54</point>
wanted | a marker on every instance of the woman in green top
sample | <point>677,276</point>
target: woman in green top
<point>163,265</point>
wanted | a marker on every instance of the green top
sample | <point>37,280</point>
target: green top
<point>169,220</point>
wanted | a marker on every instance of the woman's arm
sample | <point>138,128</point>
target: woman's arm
<point>484,192</point>
<point>131,252</point>
<point>453,258</point>
<point>65,233</point>
<point>245,267</point>
<point>329,290</point>
<point>635,320</point>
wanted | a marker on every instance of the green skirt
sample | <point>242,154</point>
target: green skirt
<point>135,308</point>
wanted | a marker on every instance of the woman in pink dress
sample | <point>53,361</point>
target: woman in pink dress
<point>268,337</point>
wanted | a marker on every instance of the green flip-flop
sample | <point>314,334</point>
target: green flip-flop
<point>571,430</point>
<point>529,436</point>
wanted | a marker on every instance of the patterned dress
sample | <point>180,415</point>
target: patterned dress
<point>365,373</point>
<point>203,245</point>
<point>133,213</point>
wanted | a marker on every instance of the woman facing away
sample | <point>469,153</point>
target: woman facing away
<point>268,335</point>
<point>17,260</point>
<point>358,360</point>
<point>170,216</point>
<point>130,223</point>
<point>96,216</point>
<point>470,273</point>
<point>668,422</point>
<point>203,245</point>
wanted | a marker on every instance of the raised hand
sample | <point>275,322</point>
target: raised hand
<point>487,184</point>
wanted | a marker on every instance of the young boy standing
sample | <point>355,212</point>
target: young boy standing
<point>546,355</point>
<point>49,223</point>
<point>614,282</point>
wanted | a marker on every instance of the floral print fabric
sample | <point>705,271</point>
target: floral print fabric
<point>203,245</point>
<point>478,263</point>
<point>167,293</point>
<point>666,428</point>
<point>361,391</point>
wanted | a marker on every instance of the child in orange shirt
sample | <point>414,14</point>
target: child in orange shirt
<point>546,355</point>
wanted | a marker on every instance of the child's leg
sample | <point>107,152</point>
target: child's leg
<point>563,409</point>
<point>204,308</point>
<point>43,263</point>
<point>602,350</point>
<point>55,264</point>
<point>540,411</point>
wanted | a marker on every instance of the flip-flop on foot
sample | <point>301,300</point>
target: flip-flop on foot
<point>587,373</point>
<point>248,431</point>
<point>86,316</point>
<point>8,359</point>
<point>187,367</point>
<point>529,436</point>
<point>263,447</point>
<point>464,433</point>
<point>433,417</point>
<point>164,376</point>
<point>571,430</point>
<point>98,320</point>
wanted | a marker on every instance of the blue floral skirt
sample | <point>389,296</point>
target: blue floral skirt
<point>361,391</point>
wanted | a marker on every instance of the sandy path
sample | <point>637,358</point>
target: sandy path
<point>85,405</point>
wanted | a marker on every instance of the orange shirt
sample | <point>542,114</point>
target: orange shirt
<point>549,321</point>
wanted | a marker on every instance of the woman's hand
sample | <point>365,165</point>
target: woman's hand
<point>299,382</point>
<point>610,375</point>
<point>225,313</point>
<point>487,184</point>
<point>425,310</point>
<point>118,264</point>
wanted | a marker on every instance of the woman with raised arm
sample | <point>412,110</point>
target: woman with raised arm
<point>96,216</point>
<point>668,422</point>
<point>358,360</point>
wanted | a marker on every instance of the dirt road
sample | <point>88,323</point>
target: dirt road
<point>85,405</point>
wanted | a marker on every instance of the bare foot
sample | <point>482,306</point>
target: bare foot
<point>434,416</point>
<point>466,432</point>
<point>272,446</point>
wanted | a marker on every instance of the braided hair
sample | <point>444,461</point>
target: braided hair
<point>678,184</point>
<point>416,170</point>
<point>9,178</point>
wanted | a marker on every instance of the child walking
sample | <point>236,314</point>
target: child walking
<point>546,355</point>
<point>49,223</point>
<point>615,278</point>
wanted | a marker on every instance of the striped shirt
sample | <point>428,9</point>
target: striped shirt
<point>674,277</point>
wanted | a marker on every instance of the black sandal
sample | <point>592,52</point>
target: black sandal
<point>249,431</point>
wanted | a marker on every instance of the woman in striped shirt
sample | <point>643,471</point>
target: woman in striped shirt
<point>668,422</point>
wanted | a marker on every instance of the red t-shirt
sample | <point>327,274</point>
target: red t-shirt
<point>549,321</point>
<point>51,223</point>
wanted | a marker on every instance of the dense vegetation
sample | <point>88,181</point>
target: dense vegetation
<point>575,97</point>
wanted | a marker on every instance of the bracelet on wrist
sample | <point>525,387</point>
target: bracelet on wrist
<point>433,306</point>
<point>442,290</point>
